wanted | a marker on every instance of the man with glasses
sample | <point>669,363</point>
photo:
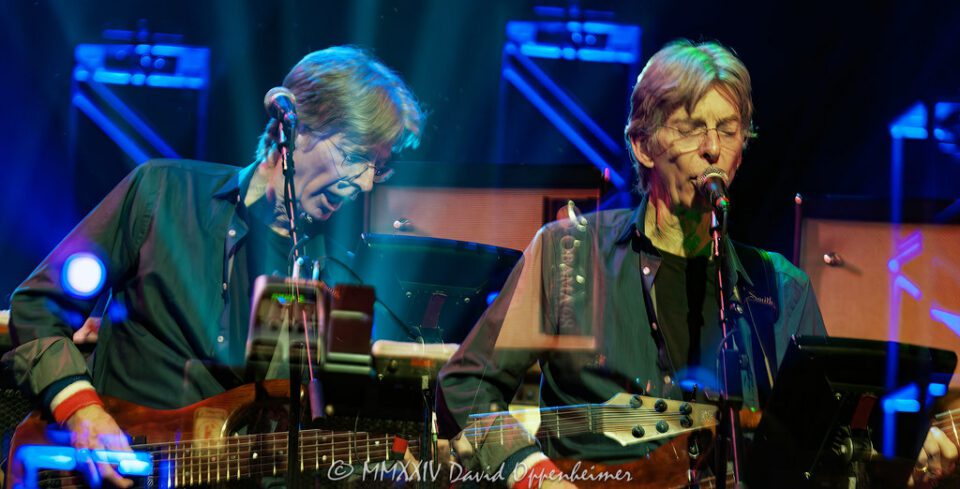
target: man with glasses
<point>182,242</point>
<point>626,300</point>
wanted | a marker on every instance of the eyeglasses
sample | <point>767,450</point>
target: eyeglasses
<point>381,173</point>
<point>691,138</point>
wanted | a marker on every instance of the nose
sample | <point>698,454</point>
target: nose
<point>710,145</point>
<point>365,181</point>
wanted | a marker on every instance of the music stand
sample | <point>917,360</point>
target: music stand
<point>438,288</point>
<point>835,413</point>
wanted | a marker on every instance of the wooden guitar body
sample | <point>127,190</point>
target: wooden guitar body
<point>197,444</point>
<point>666,467</point>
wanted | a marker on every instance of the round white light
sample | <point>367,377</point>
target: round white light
<point>83,274</point>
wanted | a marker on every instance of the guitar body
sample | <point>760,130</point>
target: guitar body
<point>666,467</point>
<point>669,466</point>
<point>198,444</point>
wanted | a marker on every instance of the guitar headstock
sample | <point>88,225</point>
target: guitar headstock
<point>630,418</point>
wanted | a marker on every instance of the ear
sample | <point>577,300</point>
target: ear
<point>640,153</point>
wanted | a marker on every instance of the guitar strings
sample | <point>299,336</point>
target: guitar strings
<point>577,420</point>
<point>196,466</point>
<point>582,421</point>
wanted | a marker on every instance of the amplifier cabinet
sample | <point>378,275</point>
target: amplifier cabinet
<point>885,281</point>
<point>502,217</point>
<point>496,204</point>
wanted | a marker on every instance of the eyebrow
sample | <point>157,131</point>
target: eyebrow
<point>350,149</point>
<point>701,122</point>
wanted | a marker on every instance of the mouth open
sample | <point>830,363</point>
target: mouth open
<point>329,203</point>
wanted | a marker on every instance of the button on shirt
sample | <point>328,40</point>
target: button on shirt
<point>616,260</point>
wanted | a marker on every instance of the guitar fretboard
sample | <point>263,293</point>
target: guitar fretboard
<point>185,463</point>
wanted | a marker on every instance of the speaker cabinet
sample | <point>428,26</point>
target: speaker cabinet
<point>500,205</point>
<point>886,282</point>
<point>500,217</point>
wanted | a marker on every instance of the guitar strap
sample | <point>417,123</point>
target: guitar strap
<point>761,310</point>
<point>664,362</point>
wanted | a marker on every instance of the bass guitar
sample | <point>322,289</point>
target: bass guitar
<point>197,445</point>
<point>628,419</point>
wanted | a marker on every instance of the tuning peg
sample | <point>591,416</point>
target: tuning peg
<point>636,401</point>
<point>685,408</point>
<point>638,431</point>
<point>660,406</point>
<point>662,426</point>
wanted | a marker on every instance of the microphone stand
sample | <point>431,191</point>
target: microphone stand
<point>288,132</point>
<point>729,435</point>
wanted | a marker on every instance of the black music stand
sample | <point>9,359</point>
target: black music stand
<point>832,407</point>
<point>438,288</point>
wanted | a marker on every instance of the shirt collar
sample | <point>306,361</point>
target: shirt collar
<point>235,187</point>
<point>635,223</point>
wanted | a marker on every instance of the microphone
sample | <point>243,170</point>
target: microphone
<point>281,104</point>
<point>712,184</point>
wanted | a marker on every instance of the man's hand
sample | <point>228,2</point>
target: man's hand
<point>88,333</point>
<point>938,458</point>
<point>91,427</point>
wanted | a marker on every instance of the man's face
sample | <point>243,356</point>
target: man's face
<point>689,143</point>
<point>331,170</point>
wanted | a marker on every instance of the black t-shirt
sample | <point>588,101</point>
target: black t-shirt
<point>685,293</point>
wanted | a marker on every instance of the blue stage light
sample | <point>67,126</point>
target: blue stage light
<point>83,275</point>
<point>492,296</point>
<point>936,390</point>
<point>35,458</point>
<point>902,400</point>
<point>950,319</point>
<point>117,312</point>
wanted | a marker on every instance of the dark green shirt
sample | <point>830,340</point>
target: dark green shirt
<point>586,279</point>
<point>169,235</point>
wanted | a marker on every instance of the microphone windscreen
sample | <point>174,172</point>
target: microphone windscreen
<point>710,173</point>
<point>273,93</point>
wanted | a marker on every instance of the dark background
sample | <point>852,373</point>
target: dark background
<point>828,79</point>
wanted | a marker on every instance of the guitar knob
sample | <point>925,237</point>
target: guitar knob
<point>685,408</point>
<point>686,421</point>
<point>660,406</point>
<point>638,431</point>
<point>636,401</point>
<point>662,426</point>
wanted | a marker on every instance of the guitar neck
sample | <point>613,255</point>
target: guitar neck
<point>218,461</point>
<point>193,462</point>
<point>625,418</point>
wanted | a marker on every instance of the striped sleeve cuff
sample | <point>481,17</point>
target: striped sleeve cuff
<point>71,399</point>
<point>519,470</point>
<point>68,391</point>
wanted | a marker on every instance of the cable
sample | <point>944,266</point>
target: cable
<point>413,332</point>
